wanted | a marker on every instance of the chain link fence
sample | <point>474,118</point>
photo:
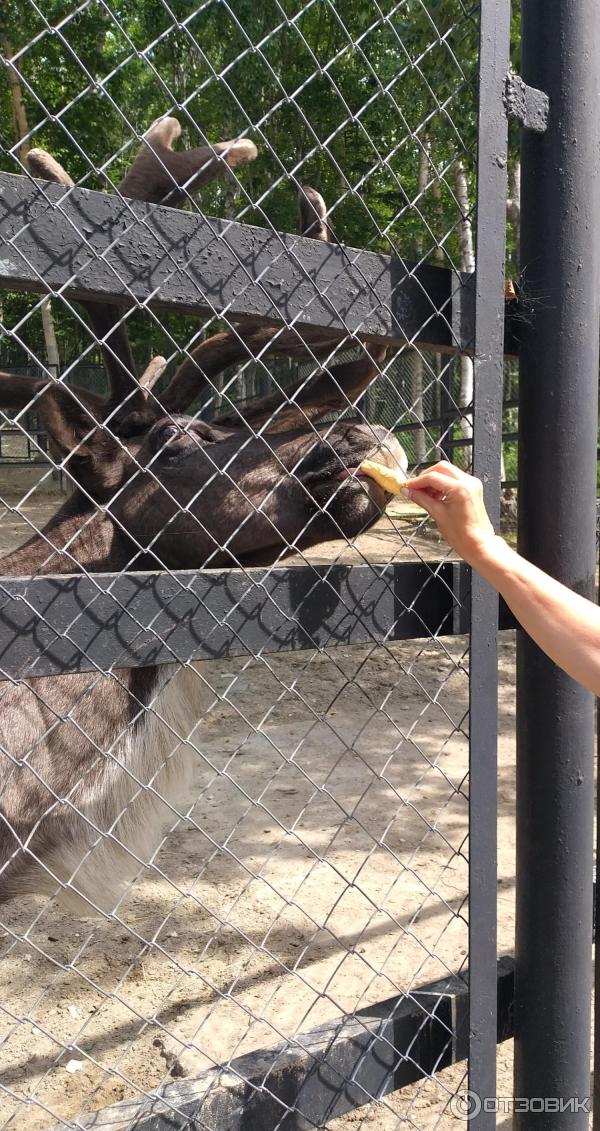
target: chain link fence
<point>432,427</point>
<point>225,849</point>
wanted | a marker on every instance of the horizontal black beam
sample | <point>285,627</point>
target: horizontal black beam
<point>80,623</point>
<point>337,1067</point>
<point>83,623</point>
<point>91,245</point>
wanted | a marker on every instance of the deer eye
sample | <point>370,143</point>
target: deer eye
<point>166,434</point>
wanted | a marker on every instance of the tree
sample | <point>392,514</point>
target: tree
<point>346,97</point>
<point>416,357</point>
<point>467,264</point>
<point>21,131</point>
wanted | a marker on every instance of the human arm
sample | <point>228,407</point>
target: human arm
<point>563,624</point>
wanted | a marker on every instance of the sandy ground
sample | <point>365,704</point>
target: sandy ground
<point>324,868</point>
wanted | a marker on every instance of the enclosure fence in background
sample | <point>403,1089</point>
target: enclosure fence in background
<point>439,433</point>
<point>240,685</point>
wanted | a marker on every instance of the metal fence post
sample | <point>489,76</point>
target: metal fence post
<point>487,439</point>
<point>557,488</point>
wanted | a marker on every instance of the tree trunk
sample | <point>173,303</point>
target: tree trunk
<point>467,264</point>
<point>415,357</point>
<point>513,215</point>
<point>19,114</point>
<point>513,205</point>
<point>440,361</point>
<point>52,355</point>
<point>21,129</point>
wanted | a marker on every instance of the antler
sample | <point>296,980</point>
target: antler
<point>158,174</point>
<point>323,392</point>
<point>313,215</point>
<point>162,175</point>
<point>210,357</point>
<point>215,354</point>
<point>105,320</point>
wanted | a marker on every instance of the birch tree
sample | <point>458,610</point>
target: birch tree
<point>415,355</point>
<point>513,208</point>
<point>467,265</point>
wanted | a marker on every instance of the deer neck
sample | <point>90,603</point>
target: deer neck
<point>76,538</point>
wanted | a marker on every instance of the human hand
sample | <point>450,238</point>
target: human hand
<point>455,500</point>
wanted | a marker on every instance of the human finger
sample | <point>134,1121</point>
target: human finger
<point>436,480</point>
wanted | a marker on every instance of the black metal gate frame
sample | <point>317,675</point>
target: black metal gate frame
<point>76,243</point>
<point>492,170</point>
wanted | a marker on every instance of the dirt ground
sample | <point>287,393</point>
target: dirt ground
<point>323,868</point>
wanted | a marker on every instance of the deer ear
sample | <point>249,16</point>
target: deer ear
<point>70,424</point>
<point>88,450</point>
<point>72,417</point>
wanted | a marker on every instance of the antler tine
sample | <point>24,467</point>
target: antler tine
<point>47,168</point>
<point>153,372</point>
<point>313,215</point>
<point>163,175</point>
<point>105,320</point>
<point>324,392</point>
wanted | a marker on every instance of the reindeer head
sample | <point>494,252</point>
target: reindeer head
<point>246,486</point>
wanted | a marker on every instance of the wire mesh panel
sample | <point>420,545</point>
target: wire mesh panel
<point>235,811</point>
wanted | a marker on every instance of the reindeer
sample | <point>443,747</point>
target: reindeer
<point>94,767</point>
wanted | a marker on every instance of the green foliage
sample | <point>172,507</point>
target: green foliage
<point>343,96</point>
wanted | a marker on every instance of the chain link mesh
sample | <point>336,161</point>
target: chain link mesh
<point>313,808</point>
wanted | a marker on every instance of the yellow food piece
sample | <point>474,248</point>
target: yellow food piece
<point>391,479</point>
